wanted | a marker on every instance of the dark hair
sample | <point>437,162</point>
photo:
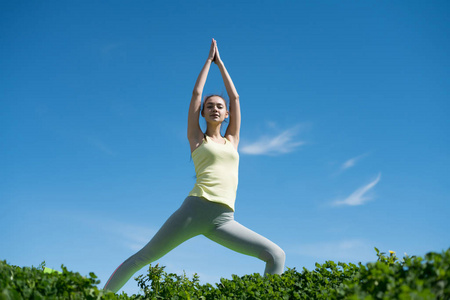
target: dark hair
<point>213,95</point>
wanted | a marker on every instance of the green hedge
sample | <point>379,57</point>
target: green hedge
<point>425,277</point>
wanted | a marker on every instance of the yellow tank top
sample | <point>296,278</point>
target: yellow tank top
<point>216,167</point>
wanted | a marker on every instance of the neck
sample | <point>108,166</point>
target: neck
<point>213,130</point>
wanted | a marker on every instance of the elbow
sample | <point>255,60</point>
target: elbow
<point>196,93</point>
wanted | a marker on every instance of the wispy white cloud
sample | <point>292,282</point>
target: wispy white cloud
<point>108,48</point>
<point>359,196</point>
<point>352,161</point>
<point>101,146</point>
<point>129,235</point>
<point>135,237</point>
<point>281,143</point>
<point>132,236</point>
<point>344,250</point>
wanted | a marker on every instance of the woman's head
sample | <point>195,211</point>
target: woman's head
<point>214,109</point>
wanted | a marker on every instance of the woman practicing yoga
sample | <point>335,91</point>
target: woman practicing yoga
<point>209,207</point>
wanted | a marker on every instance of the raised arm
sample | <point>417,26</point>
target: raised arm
<point>194,132</point>
<point>234,126</point>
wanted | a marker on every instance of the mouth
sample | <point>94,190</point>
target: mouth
<point>215,115</point>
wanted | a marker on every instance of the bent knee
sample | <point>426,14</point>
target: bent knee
<point>280,255</point>
<point>273,255</point>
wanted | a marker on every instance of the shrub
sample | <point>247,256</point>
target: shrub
<point>413,277</point>
<point>410,278</point>
<point>34,283</point>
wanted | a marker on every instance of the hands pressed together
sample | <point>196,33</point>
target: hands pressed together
<point>214,53</point>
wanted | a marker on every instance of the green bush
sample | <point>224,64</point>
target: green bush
<point>34,283</point>
<point>425,277</point>
<point>411,278</point>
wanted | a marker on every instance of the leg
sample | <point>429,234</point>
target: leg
<point>177,229</point>
<point>243,240</point>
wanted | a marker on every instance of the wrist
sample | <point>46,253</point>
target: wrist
<point>219,62</point>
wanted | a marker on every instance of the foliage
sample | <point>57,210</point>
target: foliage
<point>410,278</point>
<point>34,283</point>
<point>413,277</point>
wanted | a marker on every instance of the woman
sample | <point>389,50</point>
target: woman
<point>209,208</point>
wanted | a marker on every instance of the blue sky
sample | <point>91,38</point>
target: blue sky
<point>344,140</point>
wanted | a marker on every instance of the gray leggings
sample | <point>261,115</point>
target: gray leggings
<point>199,216</point>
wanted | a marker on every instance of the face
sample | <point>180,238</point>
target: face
<point>215,110</point>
